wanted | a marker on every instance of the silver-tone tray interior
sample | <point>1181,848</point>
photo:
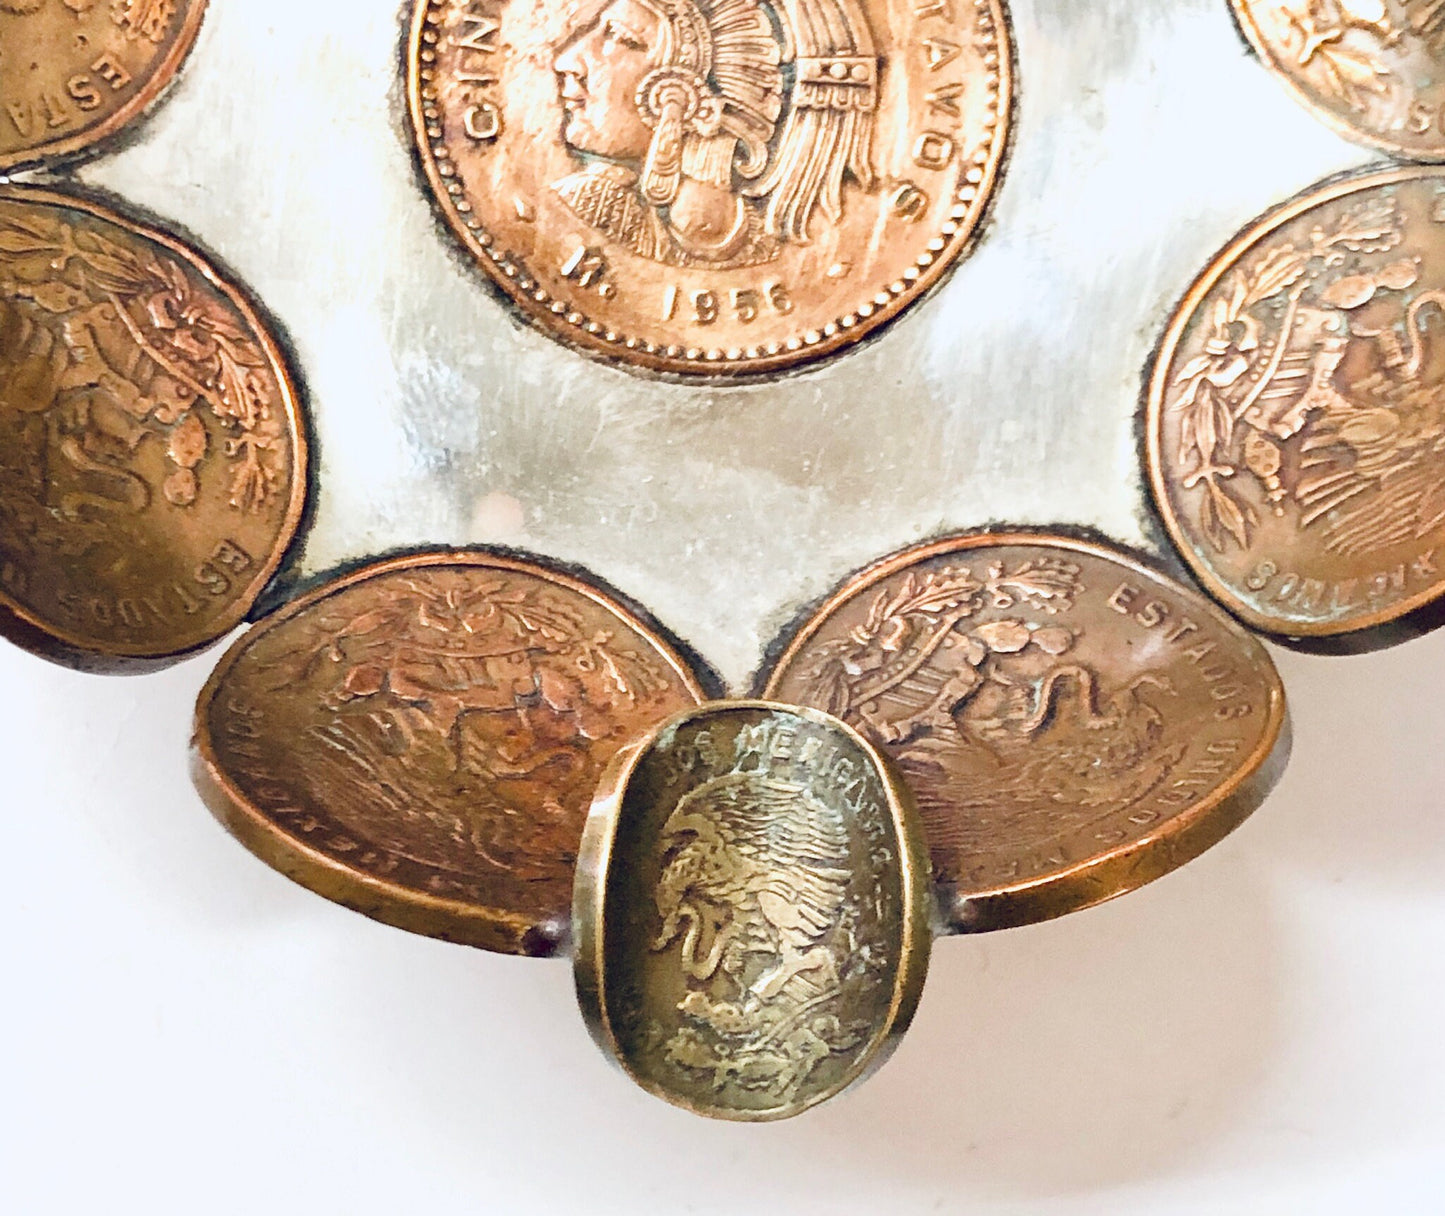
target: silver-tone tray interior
<point>1145,138</point>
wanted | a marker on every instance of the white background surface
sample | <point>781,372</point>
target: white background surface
<point>183,1032</point>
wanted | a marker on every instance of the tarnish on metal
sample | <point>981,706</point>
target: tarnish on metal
<point>1316,511</point>
<point>762,1031</point>
<point>161,490</point>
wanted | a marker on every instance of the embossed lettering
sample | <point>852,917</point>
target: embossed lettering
<point>933,150</point>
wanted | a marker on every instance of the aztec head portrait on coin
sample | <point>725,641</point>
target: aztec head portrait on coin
<point>1372,69</point>
<point>1296,412</point>
<point>152,450</point>
<point>712,186</point>
<point>73,72</point>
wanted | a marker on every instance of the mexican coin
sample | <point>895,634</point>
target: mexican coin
<point>420,740</point>
<point>1372,69</point>
<point>712,186</point>
<point>152,451</point>
<point>1072,724</point>
<point>73,72</point>
<point>752,910</point>
<point>1296,423</point>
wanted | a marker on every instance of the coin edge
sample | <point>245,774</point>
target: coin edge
<point>970,231</point>
<point>135,110</point>
<point>1156,376</point>
<point>1088,883</point>
<point>72,650</point>
<point>393,904</point>
<point>590,898</point>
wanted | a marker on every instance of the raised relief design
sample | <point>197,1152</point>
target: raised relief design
<point>1373,65</point>
<point>754,892</point>
<point>675,111</point>
<point>1300,417</point>
<point>470,708</point>
<point>711,185</point>
<point>1310,384</point>
<point>751,910</point>
<point>1070,724</point>
<point>150,442</point>
<point>150,19</point>
<point>118,380</point>
<point>1000,726</point>
<point>435,727</point>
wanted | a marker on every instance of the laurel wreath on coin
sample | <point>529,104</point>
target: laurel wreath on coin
<point>475,697</point>
<point>1253,332</point>
<point>119,351</point>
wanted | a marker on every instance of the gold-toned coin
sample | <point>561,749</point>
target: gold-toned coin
<point>1296,422</point>
<point>1072,724</point>
<point>152,453</point>
<point>420,740</point>
<point>73,72</point>
<point>752,910</point>
<point>1372,69</point>
<point>712,186</point>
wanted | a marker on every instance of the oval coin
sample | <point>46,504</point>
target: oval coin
<point>73,72</point>
<point>1372,69</point>
<point>1072,724</point>
<point>152,453</point>
<point>751,912</point>
<point>420,740</point>
<point>1296,439</point>
<point>712,186</point>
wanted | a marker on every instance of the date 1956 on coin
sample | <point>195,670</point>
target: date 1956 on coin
<point>712,186</point>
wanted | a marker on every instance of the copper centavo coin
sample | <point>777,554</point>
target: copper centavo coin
<point>1072,724</point>
<point>1296,412</point>
<point>152,457</point>
<point>420,740</point>
<point>752,910</point>
<point>74,71</point>
<point>1373,69</point>
<point>712,185</point>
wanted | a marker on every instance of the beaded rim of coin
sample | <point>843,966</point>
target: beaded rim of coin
<point>1111,871</point>
<point>595,864</point>
<point>162,77</point>
<point>1404,618</point>
<point>1244,18</point>
<point>401,906</point>
<point>32,632</point>
<point>960,232</point>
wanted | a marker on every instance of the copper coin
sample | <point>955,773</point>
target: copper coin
<point>1296,439</point>
<point>712,186</point>
<point>152,454</point>
<point>1373,69</point>
<point>752,910</point>
<point>420,740</point>
<point>1072,724</point>
<point>73,72</point>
